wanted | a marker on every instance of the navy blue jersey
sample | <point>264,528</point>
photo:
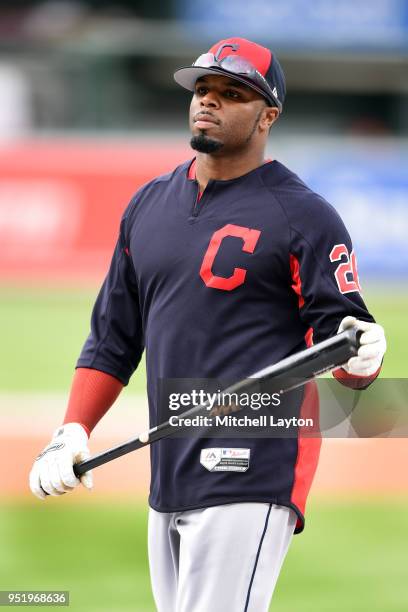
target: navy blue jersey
<point>223,286</point>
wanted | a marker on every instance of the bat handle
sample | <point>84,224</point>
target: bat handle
<point>354,334</point>
<point>79,469</point>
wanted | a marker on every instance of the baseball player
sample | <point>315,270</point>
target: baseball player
<point>223,266</point>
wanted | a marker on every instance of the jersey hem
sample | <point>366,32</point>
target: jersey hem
<point>222,502</point>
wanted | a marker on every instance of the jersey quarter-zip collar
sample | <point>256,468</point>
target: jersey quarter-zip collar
<point>217,186</point>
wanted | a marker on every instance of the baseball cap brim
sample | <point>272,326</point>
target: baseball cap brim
<point>188,75</point>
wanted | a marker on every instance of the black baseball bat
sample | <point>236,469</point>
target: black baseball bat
<point>285,375</point>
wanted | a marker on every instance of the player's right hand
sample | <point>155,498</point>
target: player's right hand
<point>52,471</point>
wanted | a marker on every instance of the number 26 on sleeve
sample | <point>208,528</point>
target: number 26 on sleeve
<point>346,272</point>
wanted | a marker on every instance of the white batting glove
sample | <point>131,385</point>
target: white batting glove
<point>52,471</point>
<point>372,347</point>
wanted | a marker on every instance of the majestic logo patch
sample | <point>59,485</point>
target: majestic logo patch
<point>225,459</point>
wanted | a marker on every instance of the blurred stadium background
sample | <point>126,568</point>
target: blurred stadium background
<point>89,112</point>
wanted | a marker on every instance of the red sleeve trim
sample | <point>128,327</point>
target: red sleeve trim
<point>353,380</point>
<point>296,281</point>
<point>92,394</point>
<point>309,337</point>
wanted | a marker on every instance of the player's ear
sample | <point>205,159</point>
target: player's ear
<point>268,117</point>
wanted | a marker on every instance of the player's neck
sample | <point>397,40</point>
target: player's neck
<point>224,168</point>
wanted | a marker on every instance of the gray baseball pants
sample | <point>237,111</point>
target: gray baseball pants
<point>218,559</point>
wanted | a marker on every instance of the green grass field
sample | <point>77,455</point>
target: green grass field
<point>352,556</point>
<point>42,332</point>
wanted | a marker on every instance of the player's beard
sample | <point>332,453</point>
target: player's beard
<point>204,144</point>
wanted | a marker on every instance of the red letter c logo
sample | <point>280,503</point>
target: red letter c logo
<point>250,238</point>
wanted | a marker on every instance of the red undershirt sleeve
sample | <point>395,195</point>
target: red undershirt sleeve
<point>92,394</point>
<point>353,380</point>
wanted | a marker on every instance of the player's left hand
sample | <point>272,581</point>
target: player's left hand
<point>52,472</point>
<point>372,347</point>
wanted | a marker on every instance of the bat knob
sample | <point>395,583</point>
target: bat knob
<point>144,437</point>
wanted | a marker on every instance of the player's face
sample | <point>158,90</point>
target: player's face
<point>226,114</point>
